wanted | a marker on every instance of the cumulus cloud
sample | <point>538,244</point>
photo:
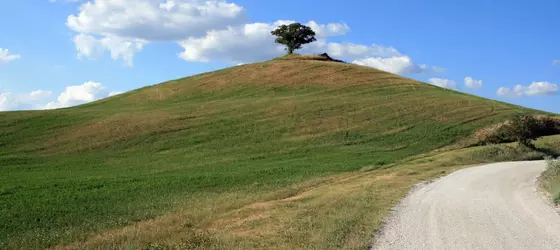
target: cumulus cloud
<point>242,44</point>
<point>39,99</point>
<point>39,94</point>
<point>121,49</point>
<point>12,101</point>
<point>396,65</point>
<point>444,83</point>
<point>507,92</point>
<point>325,30</point>
<point>124,26</point>
<point>5,56</point>
<point>79,94</point>
<point>89,47</point>
<point>540,88</point>
<point>535,89</point>
<point>473,83</point>
<point>6,101</point>
<point>250,42</point>
<point>155,20</point>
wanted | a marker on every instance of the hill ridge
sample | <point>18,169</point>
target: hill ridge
<point>252,128</point>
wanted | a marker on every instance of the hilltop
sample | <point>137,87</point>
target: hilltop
<point>230,137</point>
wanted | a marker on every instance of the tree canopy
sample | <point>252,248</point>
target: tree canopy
<point>294,36</point>
<point>526,129</point>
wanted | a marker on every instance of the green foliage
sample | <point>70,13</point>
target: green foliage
<point>293,36</point>
<point>525,129</point>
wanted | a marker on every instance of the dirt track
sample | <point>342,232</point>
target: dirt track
<point>495,206</point>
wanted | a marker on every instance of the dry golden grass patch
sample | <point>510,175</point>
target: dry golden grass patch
<point>284,73</point>
<point>315,57</point>
<point>121,127</point>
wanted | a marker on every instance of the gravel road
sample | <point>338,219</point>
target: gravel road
<point>495,206</point>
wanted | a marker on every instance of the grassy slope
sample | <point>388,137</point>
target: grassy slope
<point>336,212</point>
<point>245,131</point>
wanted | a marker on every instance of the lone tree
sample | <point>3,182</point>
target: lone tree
<point>293,36</point>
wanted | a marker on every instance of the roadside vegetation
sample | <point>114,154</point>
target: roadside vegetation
<point>550,179</point>
<point>522,128</point>
<point>525,130</point>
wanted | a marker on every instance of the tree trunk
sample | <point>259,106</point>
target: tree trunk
<point>290,51</point>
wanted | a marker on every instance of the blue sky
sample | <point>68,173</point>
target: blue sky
<point>66,52</point>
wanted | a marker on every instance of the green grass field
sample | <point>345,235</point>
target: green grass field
<point>214,143</point>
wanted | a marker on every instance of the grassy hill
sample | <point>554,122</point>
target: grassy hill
<point>216,141</point>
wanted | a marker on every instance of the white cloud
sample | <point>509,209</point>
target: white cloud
<point>6,101</point>
<point>39,94</point>
<point>535,89</point>
<point>325,30</point>
<point>90,47</point>
<point>353,51</point>
<point>5,56</point>
<point>473,83</point>
<point>122,49</point>
<point>71,96</point>
<point>154,20</point>
<point>507,92</point>
<point>246,43</point>
<point>87,46</point>
<point>250,42</point>
<point>124,26</point>
<point>396,64</point>
<point>444,83</point>
<point>113,93</point>
<point>540,88</point>
<point>11,101</point>
<point>79,94</point>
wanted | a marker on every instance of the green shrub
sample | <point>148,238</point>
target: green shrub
<point>525,130</point>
